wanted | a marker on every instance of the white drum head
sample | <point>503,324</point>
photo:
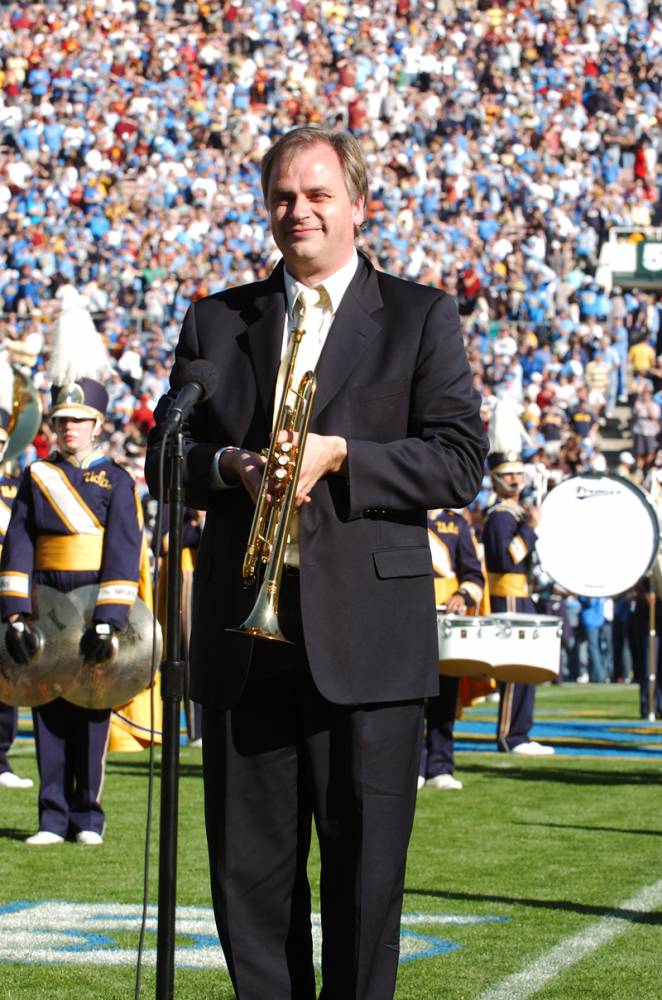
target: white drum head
<point>597,536</point>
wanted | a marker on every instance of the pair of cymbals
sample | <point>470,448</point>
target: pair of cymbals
<point>57,669</point>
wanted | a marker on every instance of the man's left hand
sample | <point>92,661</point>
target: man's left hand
<point>322,454</point>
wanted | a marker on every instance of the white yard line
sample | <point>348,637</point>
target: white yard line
<point>571,950</point>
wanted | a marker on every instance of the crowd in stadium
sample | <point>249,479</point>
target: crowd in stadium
<point>504,140</point>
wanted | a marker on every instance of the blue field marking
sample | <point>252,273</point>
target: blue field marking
<point>639,739</point>
<point>59,932</point>
<point>570,735</point>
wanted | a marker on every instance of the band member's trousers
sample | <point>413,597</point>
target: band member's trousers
<point>71,753</point>
<point>8,727</point>
<point>437,754</point>
<point>283,756</point>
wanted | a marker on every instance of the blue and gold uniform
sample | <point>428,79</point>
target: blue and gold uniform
<point>73,523</point>
<point>509,542</point>
<point>8,713</point>
<point>454,559</point>
<point>457,570</point>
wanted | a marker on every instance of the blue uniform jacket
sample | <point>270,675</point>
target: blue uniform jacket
<point>8,490</point>
<point>454,556</point>
<point>73,523</point>
<point>509,542</point>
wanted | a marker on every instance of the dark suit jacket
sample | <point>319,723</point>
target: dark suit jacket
<point>393,380</point>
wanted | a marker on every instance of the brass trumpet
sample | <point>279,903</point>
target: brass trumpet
<point>272,518</point>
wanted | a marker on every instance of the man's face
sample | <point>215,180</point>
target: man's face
<point>312,214</point>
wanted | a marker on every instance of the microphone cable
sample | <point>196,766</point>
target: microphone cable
<point>158,528</point>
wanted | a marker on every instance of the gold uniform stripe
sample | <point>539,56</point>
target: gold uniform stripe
<point>508,585</point>
<point>518,549</point>
<point>444,587</point>
<point>68,552</point>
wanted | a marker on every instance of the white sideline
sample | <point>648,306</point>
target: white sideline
<point>571,950</point>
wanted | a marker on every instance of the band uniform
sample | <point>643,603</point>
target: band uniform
<point>458,572</point>
<point>8,713</point>
<point>73,523</point>
<point>509,542</point>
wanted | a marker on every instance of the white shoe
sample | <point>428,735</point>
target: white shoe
<point>195,743</point>
<point>89,838</point>
<point>533,749</point>
<point>44,837</point>
<point>444,781</point>
<point>10,780</point>
<point>421,782</point>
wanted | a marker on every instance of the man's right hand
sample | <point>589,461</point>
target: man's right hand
<point>21,640</point>
<point>238,465</point>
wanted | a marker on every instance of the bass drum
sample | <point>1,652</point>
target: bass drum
<point>598,535</point>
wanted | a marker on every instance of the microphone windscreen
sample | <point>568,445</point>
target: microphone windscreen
<point>200,371</point>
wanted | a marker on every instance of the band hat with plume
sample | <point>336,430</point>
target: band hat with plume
<point>79,364</point>
<point>6,397</point>
<point>507,435</point>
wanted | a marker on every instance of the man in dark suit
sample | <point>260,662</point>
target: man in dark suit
<point>330,726</point>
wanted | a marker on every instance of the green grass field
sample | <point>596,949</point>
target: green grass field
<point>546,868</point>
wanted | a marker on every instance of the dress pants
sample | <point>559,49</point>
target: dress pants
<point>71,753</point>
<point>8,727</point>
<point>283,756</point>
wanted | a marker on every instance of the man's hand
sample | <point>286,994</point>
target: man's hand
<point>238,465</point>
<point>21,641</point>
<point>532,517</point>
<point>456,605</point>
<point>322,454</point>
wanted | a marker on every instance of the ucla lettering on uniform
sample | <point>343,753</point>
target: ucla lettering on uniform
<point>98,479</point>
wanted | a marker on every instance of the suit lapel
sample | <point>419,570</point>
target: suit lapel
<point>352,331</point>
<point>265,323</point>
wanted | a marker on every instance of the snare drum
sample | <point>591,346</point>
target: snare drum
<point>465,645</point>
<point>528,648</point>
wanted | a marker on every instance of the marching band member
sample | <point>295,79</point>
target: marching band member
<point>459,586</point>
<point>509,538</point>
<point>74,522</point>
<point>8,490</point>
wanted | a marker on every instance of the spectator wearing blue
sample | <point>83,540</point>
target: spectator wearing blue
<point>592,620</point>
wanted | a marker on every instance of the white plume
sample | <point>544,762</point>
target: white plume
<point>78,350</point>
<point>506,431</point>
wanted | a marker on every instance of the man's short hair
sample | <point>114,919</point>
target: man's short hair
<point>345,146</point>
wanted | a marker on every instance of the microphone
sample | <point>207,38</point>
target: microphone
<point>199,380</point>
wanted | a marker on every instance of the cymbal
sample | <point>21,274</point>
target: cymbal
<point>127,672</point>
<point>47,674</point>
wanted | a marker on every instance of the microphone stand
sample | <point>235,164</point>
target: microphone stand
<point>652,651</point>
<point>172,692</point>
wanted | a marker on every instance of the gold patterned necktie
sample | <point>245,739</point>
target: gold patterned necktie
<point>308,311</point>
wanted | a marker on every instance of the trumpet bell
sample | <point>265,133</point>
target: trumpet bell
<point>262,623</point>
